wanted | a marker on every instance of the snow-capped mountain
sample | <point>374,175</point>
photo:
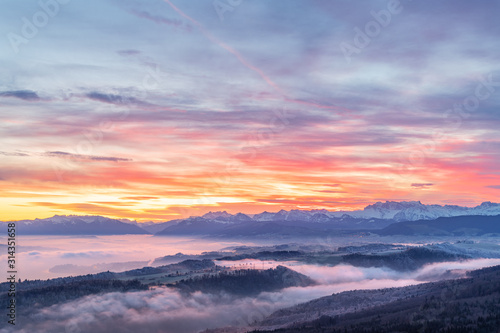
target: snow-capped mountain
<point>224,217</point>
<point>302,222</point>
<point>76,225</point>
<point>74,219</point>
<point>217,215</point>
<point>264,216</point>
<point>389,210</point>
<point>415,210</point>
<point>372,217</point>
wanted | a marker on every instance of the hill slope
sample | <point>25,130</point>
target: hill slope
<point>462,305</point>
<point>445,226</point>
<point>246,282</point>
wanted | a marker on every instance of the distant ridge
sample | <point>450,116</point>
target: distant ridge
<point>446,226</point>
<point>76,225</point>
<point>393,210</point>
<point>297,223</point>
<point>293,223</point>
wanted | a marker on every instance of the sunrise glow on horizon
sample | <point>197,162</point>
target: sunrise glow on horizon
<point>192,113</point>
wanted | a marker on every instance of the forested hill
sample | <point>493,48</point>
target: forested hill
<point>245,282</point>
<point>464,305</point>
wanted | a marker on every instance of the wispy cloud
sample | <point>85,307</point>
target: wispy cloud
<point>162,20</point>
<point>140,198</point>
<point>422,185</point>
<point>13,154</point>
<point>128,52</point>
<point>113,99</point>
<point>26,95</point>
<point>62,154</point>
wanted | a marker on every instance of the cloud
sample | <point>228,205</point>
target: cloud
<point>13,154</point>
<point>422,185</point>
<point>497,187</point>
<point>128,52</point>
<point>162,20</point>
<point>112,210</point>
<point>212,108</point>
<point>436,271</point>
<point>160,310</point>
<point>89,254</point>
<point>62,154</point>
<point>140,198</point>
<point>26,95</point>
<point>114,99</point>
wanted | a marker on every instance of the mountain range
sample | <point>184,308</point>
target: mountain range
<point>389,218</point>
<point>379,216</point>
<point>389,210</point>
<point>446,226</point>
<point>76,225</point>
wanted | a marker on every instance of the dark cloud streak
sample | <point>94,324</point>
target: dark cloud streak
<point>422,185</point>
<point>162,20</point>
<point>62,154</point>
<point>13,154</point>
<point>26,95</point>
<point>114,99</point>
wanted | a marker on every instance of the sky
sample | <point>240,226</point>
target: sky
<point>156,110</point>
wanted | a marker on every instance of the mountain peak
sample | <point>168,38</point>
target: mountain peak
<point>488,204</point>
<point>215,215</point>
<point>394,205</point>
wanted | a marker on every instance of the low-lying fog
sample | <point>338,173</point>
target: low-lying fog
<point>43,257</point>
<point>165,310</point>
